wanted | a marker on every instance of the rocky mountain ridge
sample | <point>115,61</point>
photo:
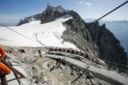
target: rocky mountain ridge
<point>91,38</point>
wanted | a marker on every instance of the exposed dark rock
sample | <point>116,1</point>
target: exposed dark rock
<point>110,49</point>
<point>51,13</point>
<point>21,50</point>
<point>29,19</point>
<point>78,34</point>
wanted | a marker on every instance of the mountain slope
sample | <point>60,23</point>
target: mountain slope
<point>89,37</point>
<point>49,34</point>
<point>109,47</point>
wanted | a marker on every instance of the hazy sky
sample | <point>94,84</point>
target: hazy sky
<point>13,10</point>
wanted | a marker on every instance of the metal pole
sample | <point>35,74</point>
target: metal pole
<point>112,10</point>
<point>4,80</point>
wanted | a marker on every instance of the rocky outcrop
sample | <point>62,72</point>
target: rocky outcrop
<point>92,38</point>
<point>78,34</point>
<point>29,19</point>
<point>51,13</point>
<point>109,47</point>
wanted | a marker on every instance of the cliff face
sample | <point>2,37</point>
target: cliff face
<point>109,47</point>
<point>92,38</point>
<point>78,34</point>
